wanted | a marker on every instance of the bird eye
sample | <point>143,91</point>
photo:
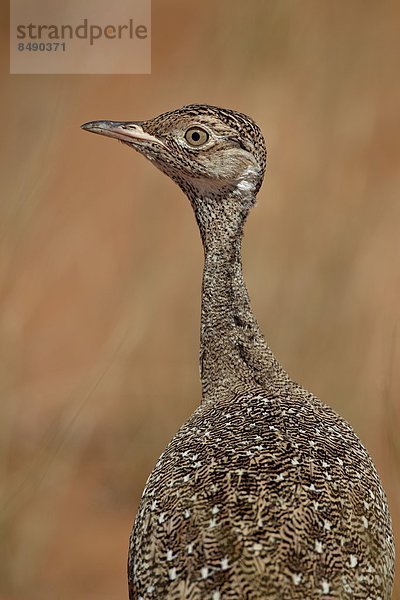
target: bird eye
<point>195,136</point>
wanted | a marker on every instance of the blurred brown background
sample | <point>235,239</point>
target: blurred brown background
<point>101,263</point>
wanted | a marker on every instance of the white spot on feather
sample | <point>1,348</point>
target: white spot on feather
<point>353,561</point>
<point>327,525</point>
<point>325,587</point>
<point>318,546</point>
<point>245,186</point>
<point>247,180</point>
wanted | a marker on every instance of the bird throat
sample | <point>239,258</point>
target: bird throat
<point>233,352</point>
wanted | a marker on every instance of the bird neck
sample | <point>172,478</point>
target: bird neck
<point>233,352</point>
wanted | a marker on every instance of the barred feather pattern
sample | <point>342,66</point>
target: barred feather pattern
<point>264,496</point>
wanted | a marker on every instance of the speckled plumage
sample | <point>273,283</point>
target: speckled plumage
<point>265,492</point>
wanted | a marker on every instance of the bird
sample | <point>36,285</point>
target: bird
<point>265,492</point>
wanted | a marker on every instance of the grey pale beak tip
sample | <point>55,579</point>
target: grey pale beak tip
<point>100,125</point>
<point>125,131</point>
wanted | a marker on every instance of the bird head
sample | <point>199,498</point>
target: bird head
<point>204,149</point>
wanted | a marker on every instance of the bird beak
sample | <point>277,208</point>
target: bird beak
<point>127,131</point>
